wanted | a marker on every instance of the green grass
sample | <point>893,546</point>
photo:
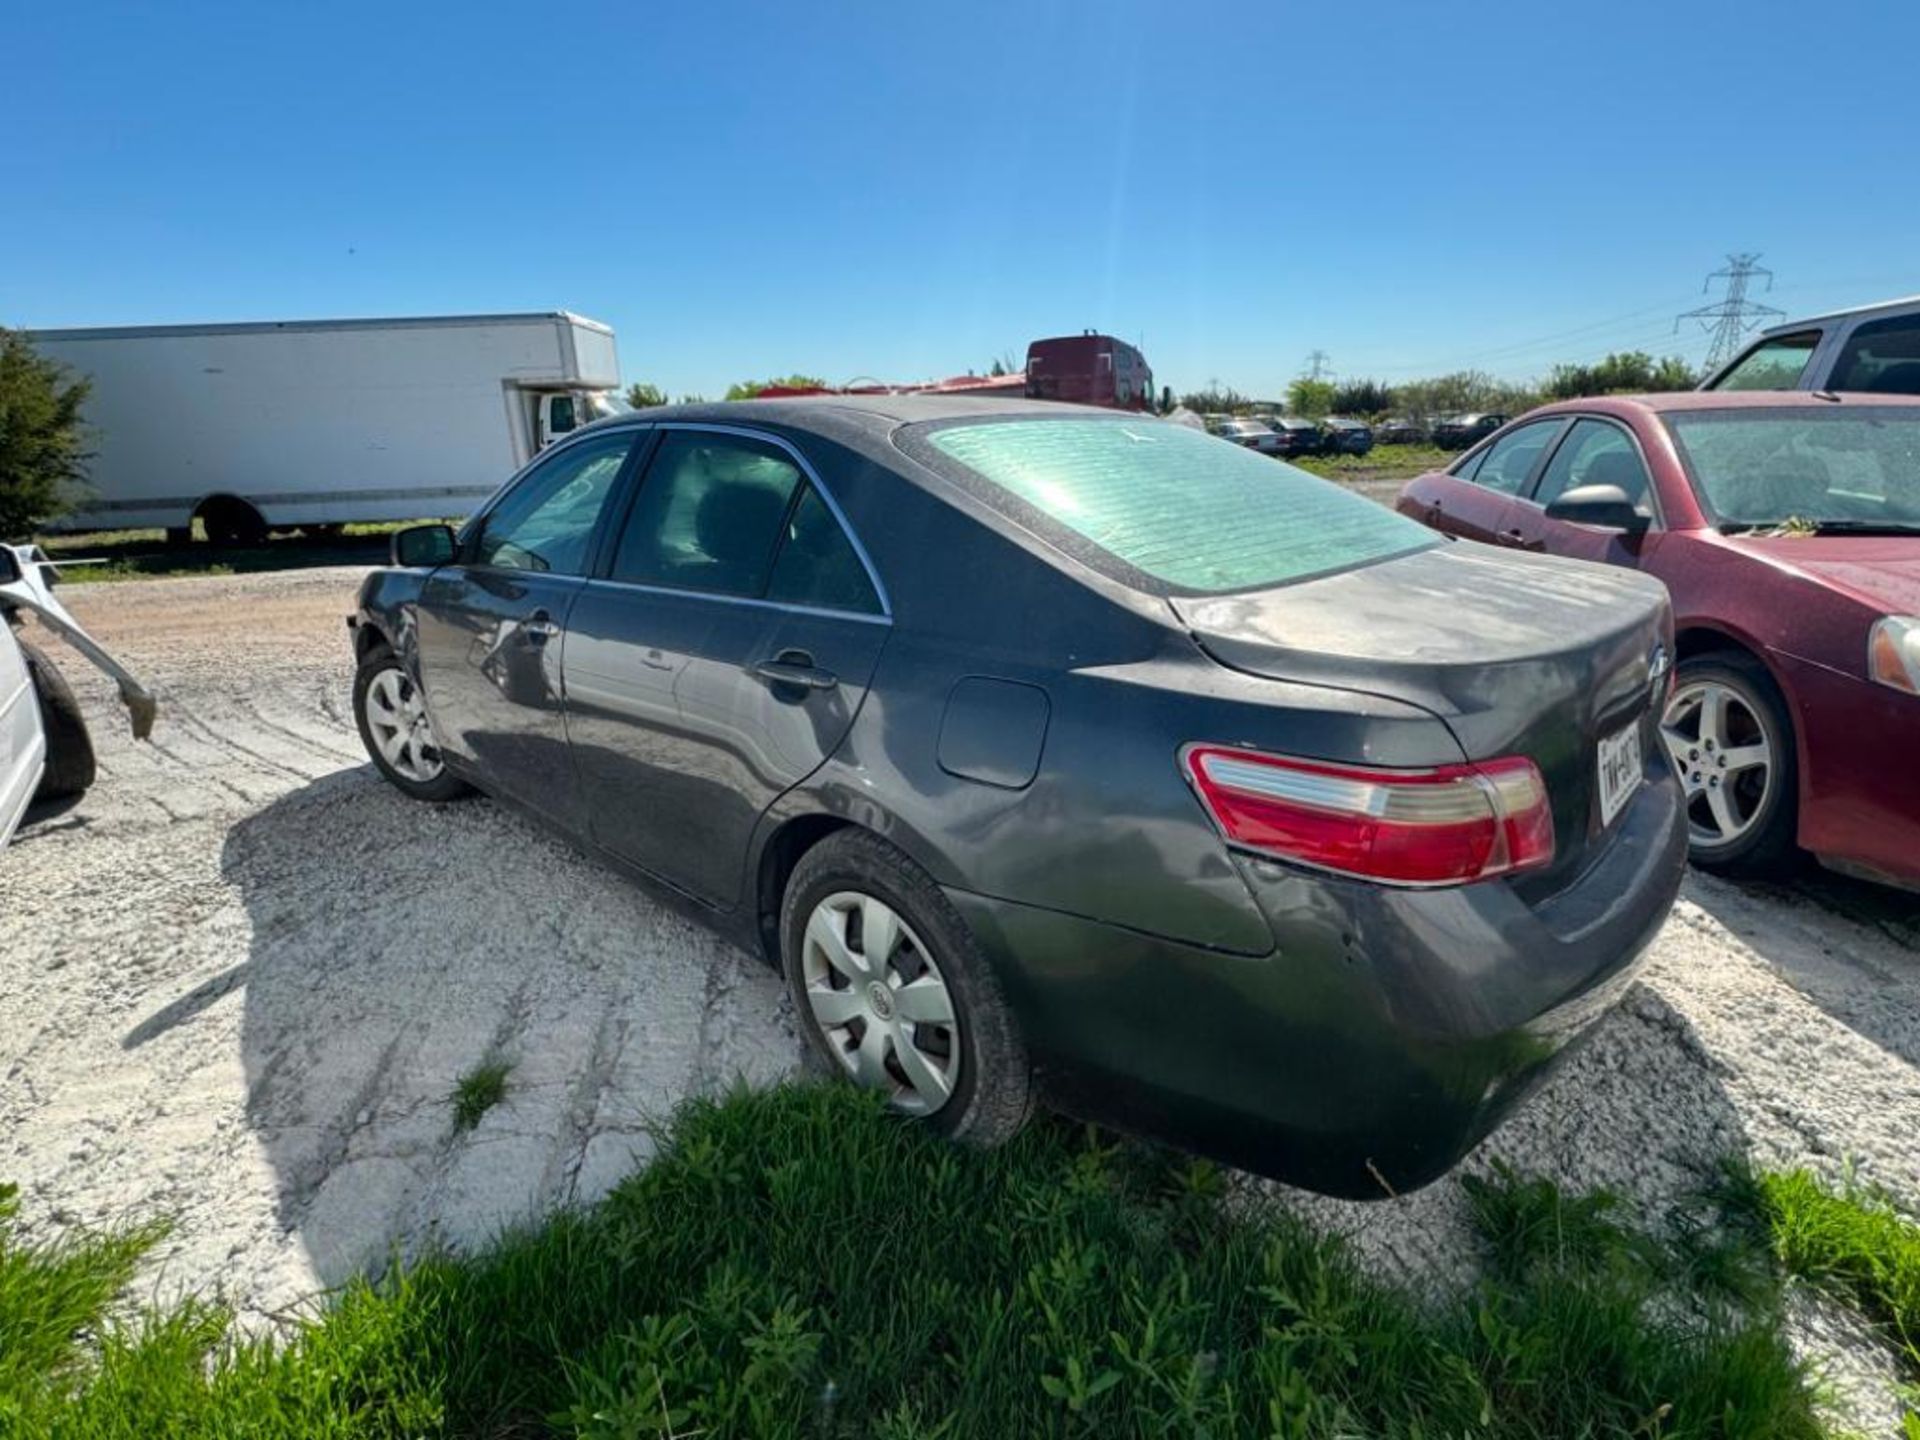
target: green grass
<point>1383,462</point>
<point>478,1091</point>
<point>146,555</point>
<point>1852,1243</point>
<point>797,1263</point>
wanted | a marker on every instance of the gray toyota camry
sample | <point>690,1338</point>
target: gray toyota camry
<point>1059,754</point>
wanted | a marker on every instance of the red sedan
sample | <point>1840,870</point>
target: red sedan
<point>1787,526</point>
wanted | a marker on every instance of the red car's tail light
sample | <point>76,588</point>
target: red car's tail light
<point>1443,826</point>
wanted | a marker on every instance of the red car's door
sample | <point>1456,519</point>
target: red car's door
<point>1594,451</point>
<point>1473,498</point>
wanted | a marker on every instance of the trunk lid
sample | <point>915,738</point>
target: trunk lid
<point>1517,654</point>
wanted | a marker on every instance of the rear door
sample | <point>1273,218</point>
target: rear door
<point>1472,501</point>
<point>719,656</point>
<point>491,627</point>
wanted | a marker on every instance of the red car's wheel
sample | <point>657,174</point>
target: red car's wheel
<point>1731,741</point>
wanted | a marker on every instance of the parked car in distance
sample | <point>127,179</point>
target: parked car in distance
<point>1146,827</point>
<point>1345,437</point>
<point>1787,529</point>
<point>1874,349</point>
<point>1397,430</point>
<point>1252,434</point>
<point>1297,436</point>
<point>1457,432</point>
<point>46,752</point>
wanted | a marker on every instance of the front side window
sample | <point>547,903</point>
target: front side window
<point>560,416</point>
<point>710,513</point>
<point>1775,364</point>
<point>1881,357</point>
<point>1595,453</point>
<point>1840,467</point>
<point>546,522</point>
<point>1163,507</point>
<point>1511,458</point>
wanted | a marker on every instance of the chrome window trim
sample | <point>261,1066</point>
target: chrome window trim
<point>833,507</point>
<point>818,611</point>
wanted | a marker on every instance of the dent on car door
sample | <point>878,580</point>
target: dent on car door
<point>720,658</point>
<point>490,628</point>
<point>1593,452</point>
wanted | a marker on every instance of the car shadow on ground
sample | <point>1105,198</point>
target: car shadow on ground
<point>1849,946</point>
<point>395,947</point>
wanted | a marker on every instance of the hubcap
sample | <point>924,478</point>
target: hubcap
<point>397,719</point>
<point>881,1002</point>
<point>1724,758</point>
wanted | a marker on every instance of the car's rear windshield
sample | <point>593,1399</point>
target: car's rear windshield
<point>1164,507</point>
<point>1846,466</point>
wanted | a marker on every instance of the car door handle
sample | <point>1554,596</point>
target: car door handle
<point>1519,540</point>
<point>539,627</point>
<point>790,668</point>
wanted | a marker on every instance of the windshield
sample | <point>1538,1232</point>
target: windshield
<point>1164,507</point>
<point>602,403</point>
<point>1857,467</point>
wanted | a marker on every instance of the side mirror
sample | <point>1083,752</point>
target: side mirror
<point>423,546</point>
<point>10,570</point>
<point>1605,507</point>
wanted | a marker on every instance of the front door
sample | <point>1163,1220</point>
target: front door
<point>491,627</point>
<point>720,660</point>
<point>1594,452</point>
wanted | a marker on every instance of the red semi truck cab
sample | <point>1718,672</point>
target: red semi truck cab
<point>1089,369</point>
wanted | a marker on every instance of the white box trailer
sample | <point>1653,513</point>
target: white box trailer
<point>324,422</point>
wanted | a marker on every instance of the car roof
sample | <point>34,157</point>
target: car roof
<point>1878,307</point>
<point>1671,401</point>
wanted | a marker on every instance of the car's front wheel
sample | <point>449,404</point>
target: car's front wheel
<point>894,991</point>
<point>1731,741</point>
<point>392,716</point>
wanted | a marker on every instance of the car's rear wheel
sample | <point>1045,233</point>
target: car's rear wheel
<point>392,716</point>
<point>894,991</point>
<point>1731,742</point>
<point>71,767</point>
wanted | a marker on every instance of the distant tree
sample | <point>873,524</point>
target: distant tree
<point>693,399</point>
<point>747,389</point>
<point>1216,398</point>
<point>42,454</point>
<point>1361,397</point>
<point>643,396</point>
<point>1464,390</point>
<point>1631,372</point>
<point>1310,398</point>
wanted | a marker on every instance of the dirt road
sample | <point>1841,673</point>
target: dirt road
<point>242,977</point>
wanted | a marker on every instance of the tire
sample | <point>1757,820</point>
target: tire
<point>233,522</point>
<point>990,1091</point>
<point>417,771</point>
<point>70,763</point>
<point>1763,799</point>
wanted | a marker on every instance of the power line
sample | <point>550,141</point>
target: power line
<point>1731,317</point>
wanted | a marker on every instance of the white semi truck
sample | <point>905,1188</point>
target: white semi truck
<point>319,423</point>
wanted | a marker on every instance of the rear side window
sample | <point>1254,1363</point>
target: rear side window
<point>1775,364</point>
<point>1165,506</point>
<point>1881,357</point>
<point>818,565</point>
<point>1511,458</point>
<point>709,514</point>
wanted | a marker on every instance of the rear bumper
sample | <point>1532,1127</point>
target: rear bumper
<point>1859,788</point>
<point>1387,1032</point>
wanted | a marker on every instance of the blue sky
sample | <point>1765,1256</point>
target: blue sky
<point>909,189</point>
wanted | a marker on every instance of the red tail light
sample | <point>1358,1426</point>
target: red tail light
<point>1443,826</point>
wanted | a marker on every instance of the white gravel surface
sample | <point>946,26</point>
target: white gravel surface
<point>240,979</point>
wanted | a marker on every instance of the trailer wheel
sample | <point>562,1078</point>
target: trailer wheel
<point>232,522</point>
<point>70,764</point>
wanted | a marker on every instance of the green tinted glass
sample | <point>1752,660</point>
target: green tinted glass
<point>1189,510</point>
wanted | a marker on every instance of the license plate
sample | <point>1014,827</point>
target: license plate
<point>1620,770</point>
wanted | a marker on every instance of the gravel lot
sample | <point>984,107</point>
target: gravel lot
<point>241,978</point>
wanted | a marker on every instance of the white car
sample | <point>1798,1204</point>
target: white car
<point>45,751</point>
